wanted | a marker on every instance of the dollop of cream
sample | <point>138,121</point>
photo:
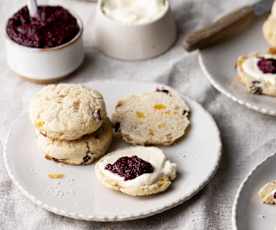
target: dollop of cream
<point>162,166</point>
<point>250,68</point>
<point>134,12</point>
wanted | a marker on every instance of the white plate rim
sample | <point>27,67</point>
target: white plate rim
<point>242,185</point>
<point>229,95</point>
<point>115,218</point>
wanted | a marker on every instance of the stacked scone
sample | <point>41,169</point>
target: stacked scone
<point>71,123</point>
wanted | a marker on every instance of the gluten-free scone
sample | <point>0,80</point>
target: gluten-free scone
<point>136,171</point>
<point>154,118</point>
<point>67,111</point>
<point>79,152</point>
<point>257,72</point>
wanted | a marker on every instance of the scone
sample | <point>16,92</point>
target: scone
<point>269,27</point>
<point>67,111</point>
<point>267,193</point>
<point>136,171</point>
<point>154,118</point>
<point>257,72</point>
<point>79,152</point>
<point>269,30</point>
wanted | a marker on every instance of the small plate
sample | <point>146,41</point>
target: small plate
<point>79,195</point>
<point>249,213</point>
<point>218,62</point>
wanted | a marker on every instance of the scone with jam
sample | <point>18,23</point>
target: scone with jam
<point>136,171</point>
<point>257,72</point>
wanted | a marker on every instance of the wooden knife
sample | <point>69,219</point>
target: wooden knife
<point>226,26</point>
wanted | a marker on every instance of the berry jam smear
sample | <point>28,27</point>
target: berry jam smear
<point>130,167</point>
<point>267,65</point>
<point>53,26</point>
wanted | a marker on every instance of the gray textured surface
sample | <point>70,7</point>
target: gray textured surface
<point>243,131</point>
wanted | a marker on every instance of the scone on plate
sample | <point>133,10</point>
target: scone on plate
<point>257,72</point>
<point>136,171</point>
<point>78,152</point>
<point>267,193</point>
<point>67,111</point>
<point>154,118</point>
<point>269,27</point>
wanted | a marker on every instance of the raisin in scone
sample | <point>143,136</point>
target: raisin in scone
<point>136,171</point>
<point>79,152</point>
<point>67,111</point>
<point>154,118</point>
<point>257,72</point>
<point>267,193</point>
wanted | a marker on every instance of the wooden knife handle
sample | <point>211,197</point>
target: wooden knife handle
<point>221,29</point>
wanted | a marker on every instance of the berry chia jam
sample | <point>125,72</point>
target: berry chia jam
<point>53,26</point>
<point>267,65</point>
<point>130,167</point>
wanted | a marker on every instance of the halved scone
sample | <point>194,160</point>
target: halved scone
<point>267,193</point>
<point>136,171</point>
<point>257,72</point>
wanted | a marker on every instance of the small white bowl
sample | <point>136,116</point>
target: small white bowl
<point>45,65</point>
<point>134,42</point>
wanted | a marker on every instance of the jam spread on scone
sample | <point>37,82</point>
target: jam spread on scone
<point>130,167</point>
<point>267,65</point>
<point>53,26</point>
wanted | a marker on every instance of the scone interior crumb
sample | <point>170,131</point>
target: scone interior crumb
<point>154,118</point>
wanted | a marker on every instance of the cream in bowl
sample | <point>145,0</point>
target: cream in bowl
<point>45,47</point>
<point>134,12</point>
<point>134,29</point>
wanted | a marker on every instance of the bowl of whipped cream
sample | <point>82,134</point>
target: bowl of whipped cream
<point>134,29</point>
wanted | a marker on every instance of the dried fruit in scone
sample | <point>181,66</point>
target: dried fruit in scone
<point>67,111</point>
<point>267,193</point>
<point>136,171</point>
<point>257,72</point>
<point>79,152</point>
<point>154,118</point>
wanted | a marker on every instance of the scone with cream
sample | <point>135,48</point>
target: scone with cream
<point>136,171</point>
<point>267,193</point>
<point>155,118</point>
<point>67,111</point>
<point>258,73</point>
<point>78,152</point>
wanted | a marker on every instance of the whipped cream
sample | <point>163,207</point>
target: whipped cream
<point>162,166</point>
<point>134,12</point>
<point>250,68</point>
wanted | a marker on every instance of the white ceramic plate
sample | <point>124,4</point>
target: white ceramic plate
<point>249,213</point>
<point>79,195</point>
<point>218,61</point>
